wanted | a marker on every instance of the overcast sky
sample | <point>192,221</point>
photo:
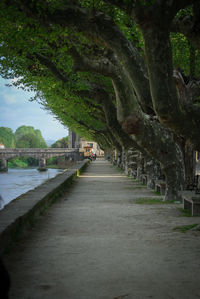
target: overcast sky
<point>16,110</point>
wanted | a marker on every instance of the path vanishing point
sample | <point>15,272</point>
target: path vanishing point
<point>96,242</point>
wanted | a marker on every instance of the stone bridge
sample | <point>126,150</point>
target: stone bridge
<point>40,154</point>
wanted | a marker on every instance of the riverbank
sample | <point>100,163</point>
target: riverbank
<point>17,181</point>
<point>21,213</point>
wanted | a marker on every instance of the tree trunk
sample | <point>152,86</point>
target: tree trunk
<point>189,161</point>
<point>153,172</point>
<point>159,144</point>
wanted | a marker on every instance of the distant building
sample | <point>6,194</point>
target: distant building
<point>84,145</point>
<point>74,140</point>
<point>88,146</point>
<point>2,145</point>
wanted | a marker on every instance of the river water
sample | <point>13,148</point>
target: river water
<point>18,181</point>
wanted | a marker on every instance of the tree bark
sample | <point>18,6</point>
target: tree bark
<point>159,144</point>
<point>173,111</point>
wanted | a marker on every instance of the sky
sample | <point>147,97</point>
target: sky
<point>16,110</point>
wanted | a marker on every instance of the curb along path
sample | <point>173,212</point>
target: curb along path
<point>95,242</point>
<point>20,214</point>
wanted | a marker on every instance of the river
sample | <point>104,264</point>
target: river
<point>18,181</point>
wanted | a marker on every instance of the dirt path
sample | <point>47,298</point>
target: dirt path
<point>97,243</point>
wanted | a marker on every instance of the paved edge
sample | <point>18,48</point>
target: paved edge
<point>18,216</point>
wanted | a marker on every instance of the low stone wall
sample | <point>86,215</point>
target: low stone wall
<point>20,214</point>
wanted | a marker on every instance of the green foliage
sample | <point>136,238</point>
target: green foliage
<point>17,162</point>
<point>24,41</point>
<point>52,161</point>
<point>24,137</point>
<point>61,100</point>
<point>186,212</point>
<point>28,137</point>
<point>181,53</point>
<point>7,137</point>
<point>152,201</point>
<point>181,50</point>
<point>61,143</point>
<point>185,228</point>
<point>30,161</point>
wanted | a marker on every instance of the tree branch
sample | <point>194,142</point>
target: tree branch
<point>52,67</point>
<point>102,66</point>
<point>100,28</point>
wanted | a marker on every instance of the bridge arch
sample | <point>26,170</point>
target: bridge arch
<point>40,154</point>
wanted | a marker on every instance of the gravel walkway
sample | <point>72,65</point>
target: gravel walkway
<point>96,242</point>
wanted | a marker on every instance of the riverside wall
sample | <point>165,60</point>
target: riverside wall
<point>19,215</point>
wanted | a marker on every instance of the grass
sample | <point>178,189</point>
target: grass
<point>135,187</point>
<point>132,178</point>
<point>186,213</point>
<point>157,193</point>
<point>118,169</point>
<point>151,201</point>
<point>185,228</point>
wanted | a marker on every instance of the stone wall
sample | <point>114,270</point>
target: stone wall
<point>19,215</point>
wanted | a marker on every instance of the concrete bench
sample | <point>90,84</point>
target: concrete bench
<point>191,201</point>
<point>160,186</point>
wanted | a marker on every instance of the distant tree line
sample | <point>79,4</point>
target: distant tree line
<point>61,143</point>
<point>27,137</point>
<point>24,137</point>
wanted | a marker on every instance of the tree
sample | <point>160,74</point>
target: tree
<point>7,137</point>
<point>61,143</point>
<point>28,137</point>
<point>106,70</point>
